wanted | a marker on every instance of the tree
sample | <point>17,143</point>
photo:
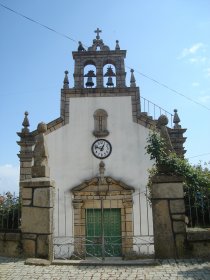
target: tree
<point>196,179</point>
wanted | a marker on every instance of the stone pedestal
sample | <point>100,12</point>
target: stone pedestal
<point>168,216</point>
<point>37,217</point>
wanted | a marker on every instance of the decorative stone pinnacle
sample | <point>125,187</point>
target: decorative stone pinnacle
<point>161,125</point>
<point>66,80</point>
<point>132,80</point>
<point>117,45</point>
<point>40,167</point>
<point>97,31</point>
<point>176,119</point>
<point>25,123</point>
<point>101,171</point>
<point>80,47</point>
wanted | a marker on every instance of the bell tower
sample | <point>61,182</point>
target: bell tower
<point>99,55</point>
<point>99,71</point>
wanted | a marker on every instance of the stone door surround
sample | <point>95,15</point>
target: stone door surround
<point>107,193</point>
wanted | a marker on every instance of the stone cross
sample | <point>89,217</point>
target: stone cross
<point>97,31</point>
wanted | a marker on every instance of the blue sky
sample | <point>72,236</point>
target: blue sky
<point>166,40</point>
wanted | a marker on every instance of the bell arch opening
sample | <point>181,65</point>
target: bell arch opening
<point>89,74</point>
<point>109,74</point>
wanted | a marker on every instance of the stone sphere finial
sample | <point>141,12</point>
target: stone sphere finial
<point>25,123</point>
<point>162,120</point>
<point>176,119</point>
<point>132,79</point>
<point>42,127</point>
<point>117,47</point>
<point>66,80</point>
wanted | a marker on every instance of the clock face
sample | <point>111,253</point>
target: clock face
<point>101,148</point>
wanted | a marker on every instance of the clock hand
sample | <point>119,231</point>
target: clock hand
<point>101,149</point>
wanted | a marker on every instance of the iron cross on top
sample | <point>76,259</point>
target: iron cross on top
<point>97,31</point>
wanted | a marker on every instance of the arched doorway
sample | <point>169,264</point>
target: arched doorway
<point>103,218</point>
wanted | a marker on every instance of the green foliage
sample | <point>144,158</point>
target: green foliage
<point>9,211</point>
<point>196,179</point>
<point>195,176</point>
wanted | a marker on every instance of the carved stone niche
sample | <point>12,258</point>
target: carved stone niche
<point>103,194</point>
<point>100,123</point>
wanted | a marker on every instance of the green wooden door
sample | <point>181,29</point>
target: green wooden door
<point>103,232</point>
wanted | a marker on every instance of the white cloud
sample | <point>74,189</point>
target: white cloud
<point>194,54</point>
<point>192,50</point>
<point>204,99</point>
<point>207,71</point>
<point>9,178</point>
<point>198,59</point>
<point>195,84</point>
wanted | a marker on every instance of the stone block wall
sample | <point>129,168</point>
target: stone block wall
<point>37,217</point>
<point>10,244</point>
<point>198,243</point>
<point>168,216</point>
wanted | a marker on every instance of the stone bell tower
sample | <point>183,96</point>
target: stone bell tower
<point>99,71</point>
<point>99,55</point>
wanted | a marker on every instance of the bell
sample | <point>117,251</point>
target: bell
<point>89,82</point>
<point>110,82</point>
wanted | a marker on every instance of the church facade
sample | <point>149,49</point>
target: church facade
<point>97,159</point>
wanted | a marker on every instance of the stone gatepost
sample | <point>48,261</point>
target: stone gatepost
<point>37,204</point>
<point>168,216</point>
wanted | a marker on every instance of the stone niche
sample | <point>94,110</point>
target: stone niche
<point>107,194</point>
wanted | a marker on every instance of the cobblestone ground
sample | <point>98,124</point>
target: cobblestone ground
<point>14,269</point>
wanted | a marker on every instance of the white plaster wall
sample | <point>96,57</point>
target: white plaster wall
<point>71,160</point>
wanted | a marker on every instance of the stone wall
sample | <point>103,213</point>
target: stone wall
<point>10,244</point>
<point>37,217</point>
<point>168,216</point>
<point>198,243</point>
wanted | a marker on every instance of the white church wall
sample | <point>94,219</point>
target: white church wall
<point>71,160</point>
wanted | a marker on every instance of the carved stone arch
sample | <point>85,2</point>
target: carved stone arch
<point>109,72</point>
<point>89,73</point>
<point>100,123</point>
<point>109,61</point>
<point>89,62</point>
<point>103,194</point>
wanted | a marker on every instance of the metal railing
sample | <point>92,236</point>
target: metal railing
<point>102,240</point>
<point>197,203</point>
<point>9,213</point>
<point>81,248</point>
<point>154,110</point>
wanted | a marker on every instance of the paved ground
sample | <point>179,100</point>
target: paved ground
<point>15,269</point>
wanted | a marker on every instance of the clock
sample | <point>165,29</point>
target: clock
<point>101,148</point>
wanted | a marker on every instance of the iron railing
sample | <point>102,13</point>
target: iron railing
<point>9,213</point>
<point>154,110</point>
<point>80,248</point>
<point>94,242</point>
<point>197,203</point>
